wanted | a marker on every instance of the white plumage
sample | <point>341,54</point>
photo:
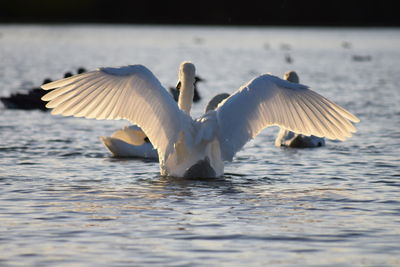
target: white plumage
<point>197,148</point>
<point>130,141</point>
<point>291,139</point>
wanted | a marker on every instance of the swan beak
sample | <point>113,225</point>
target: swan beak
<point>178,86</point>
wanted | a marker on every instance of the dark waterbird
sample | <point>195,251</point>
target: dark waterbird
<point>196,95</point>
<point>31,100</point>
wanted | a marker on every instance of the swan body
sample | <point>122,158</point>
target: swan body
<point>290,139</point>
<point>188,147</point>
<point>130,141</point>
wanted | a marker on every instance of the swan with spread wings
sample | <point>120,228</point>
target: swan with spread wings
<point>197,148</point>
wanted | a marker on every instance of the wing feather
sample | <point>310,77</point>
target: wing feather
<point>311,112</point>
<point>69,80</point>
<point>66,89</point>
<point>96,109</point>
<point>92,90</point>
<point>86,104</point>
<point>131,92</point>
<point>292,115</point>
<point>268,100</point>
<point>76,99</point>
<point>331,114</point>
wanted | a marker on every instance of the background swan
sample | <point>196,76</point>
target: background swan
<point>197,148</point>
<point>291,139</point>
<point>130,141</point>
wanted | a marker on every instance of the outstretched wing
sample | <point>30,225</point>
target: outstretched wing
<point>268,100</point>
<point>131,92</point>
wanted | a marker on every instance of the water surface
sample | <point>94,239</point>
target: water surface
<point>65,201</point>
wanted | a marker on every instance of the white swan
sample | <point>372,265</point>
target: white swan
<point>197,148</point>
<point>130,141</point>
<point>290,139</point>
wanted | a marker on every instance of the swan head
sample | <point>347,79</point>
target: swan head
<point>187,72</point>
<point>291,76</point>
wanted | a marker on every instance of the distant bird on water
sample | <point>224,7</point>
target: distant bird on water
<point>196,96</point>
<point>130,141</point>
<point>197,148</point>
<point>27,101</point>
<point>31,100</point>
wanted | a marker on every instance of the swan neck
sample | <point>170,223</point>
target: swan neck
<point>186,96</point>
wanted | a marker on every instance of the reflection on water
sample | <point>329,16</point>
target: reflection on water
<point>65,201</point>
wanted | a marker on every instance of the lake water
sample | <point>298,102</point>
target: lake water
<point>64,201</point>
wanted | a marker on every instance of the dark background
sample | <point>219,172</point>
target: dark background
<point>284,12</point>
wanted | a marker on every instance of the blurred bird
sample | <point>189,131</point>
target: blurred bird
<point>196,97</point>
<point>31,100</point>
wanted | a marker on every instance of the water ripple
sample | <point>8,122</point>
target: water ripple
<point>64,200</point>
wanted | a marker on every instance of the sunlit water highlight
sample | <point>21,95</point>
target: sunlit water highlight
<point>64,201</point>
